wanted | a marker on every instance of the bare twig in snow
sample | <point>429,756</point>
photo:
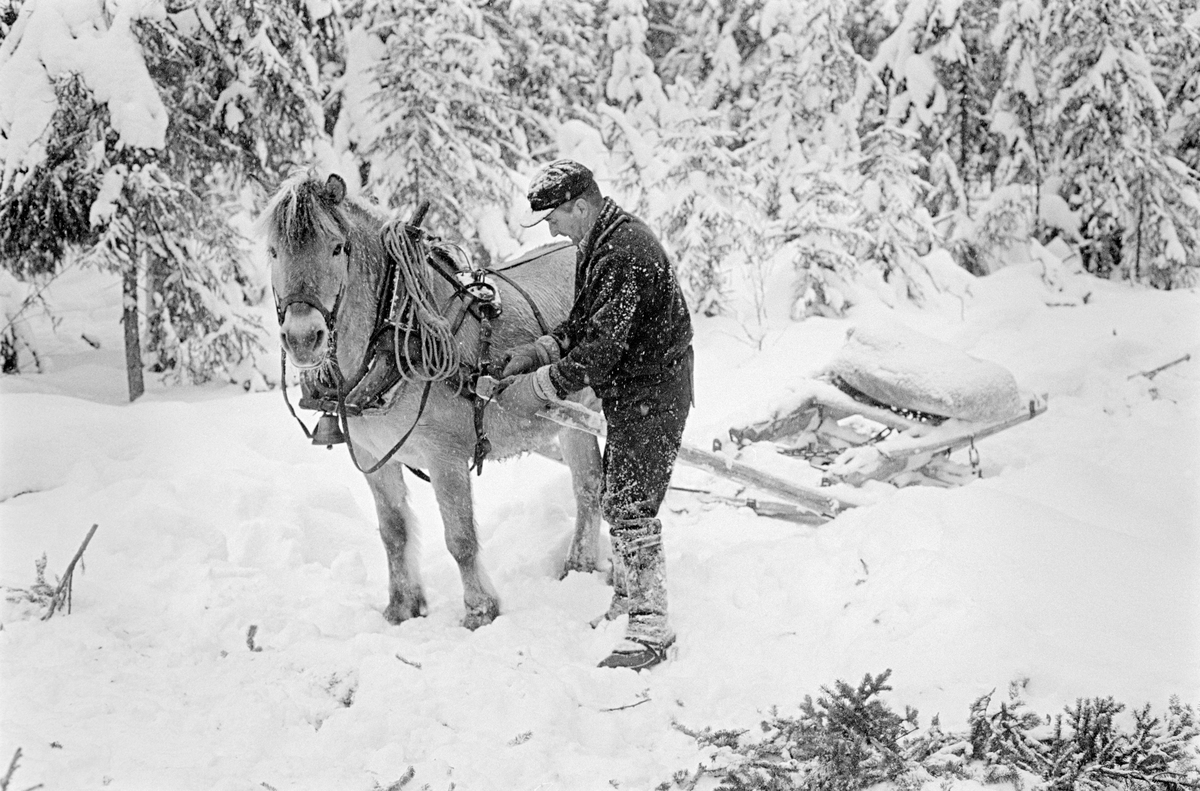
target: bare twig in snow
<point>12,767</point>
<point>628,705</point>
<point>1156,371</point>
<point>63,592</point>
<point>409,662</point>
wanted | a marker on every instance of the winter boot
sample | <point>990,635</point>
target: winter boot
<point>647,635</point>
<point>620,597</point>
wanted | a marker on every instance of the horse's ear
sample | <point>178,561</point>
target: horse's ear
<point>335,189</point>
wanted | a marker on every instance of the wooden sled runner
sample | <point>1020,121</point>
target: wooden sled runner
<point>892,407</point>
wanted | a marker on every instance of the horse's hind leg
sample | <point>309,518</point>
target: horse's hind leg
<point>452,484</point>
<point>397,528</point>
<point>581,452</point>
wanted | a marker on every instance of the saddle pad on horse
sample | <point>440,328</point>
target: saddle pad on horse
<point>899,366</point>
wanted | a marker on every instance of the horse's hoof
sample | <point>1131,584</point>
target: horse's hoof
<point>481,616</point>
<point>577,564</point>
<point>398,612</point>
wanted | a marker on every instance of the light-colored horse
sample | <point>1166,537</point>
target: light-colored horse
<point>325,250</point>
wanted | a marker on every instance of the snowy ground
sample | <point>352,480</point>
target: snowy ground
<point>1074,564</point>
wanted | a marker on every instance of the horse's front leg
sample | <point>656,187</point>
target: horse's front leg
<point>397,527</point>
<point>581,452</point>
<point>452,485</point>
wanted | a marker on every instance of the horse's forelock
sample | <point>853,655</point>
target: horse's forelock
<point>301,213</point>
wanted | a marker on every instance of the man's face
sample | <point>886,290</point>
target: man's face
<point>569,220</point>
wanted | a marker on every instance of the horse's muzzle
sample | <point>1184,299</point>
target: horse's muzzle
<point>304,335</point>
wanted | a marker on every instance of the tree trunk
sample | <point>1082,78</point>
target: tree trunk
<point>133,341</point>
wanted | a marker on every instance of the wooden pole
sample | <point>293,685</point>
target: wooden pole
<point>572,415</point>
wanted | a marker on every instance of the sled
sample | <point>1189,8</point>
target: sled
<point>852,438</point>
<point>891,408</point>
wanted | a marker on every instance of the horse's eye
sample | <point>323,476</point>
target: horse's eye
<point>337,250</point>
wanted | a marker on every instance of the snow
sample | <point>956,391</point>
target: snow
<point>55,38</point>
<point>1073,563</point>
<point>898,366</point>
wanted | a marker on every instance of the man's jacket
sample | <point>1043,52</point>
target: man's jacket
<point>629,329</point>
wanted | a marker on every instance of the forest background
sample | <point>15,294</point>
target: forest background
<point>863,143</point>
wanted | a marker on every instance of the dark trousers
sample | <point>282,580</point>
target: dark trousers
<point>644,434</point>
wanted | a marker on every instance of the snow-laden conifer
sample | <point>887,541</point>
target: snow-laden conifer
<point>551,65</point>
<point>443,127</point>
<point>799,134</point>
<point>1177,73</point>
<point>165,118</point>
<point>1138,204</point>
<point>633,84</point>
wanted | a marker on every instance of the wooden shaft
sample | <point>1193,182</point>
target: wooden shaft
<point>576,416</point>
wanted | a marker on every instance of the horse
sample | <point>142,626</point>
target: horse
<point>328,261</point>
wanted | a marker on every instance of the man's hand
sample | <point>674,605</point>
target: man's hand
<point>530,356</point>
<point>527,392</point>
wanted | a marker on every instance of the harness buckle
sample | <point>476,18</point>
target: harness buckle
<point>481,286</point>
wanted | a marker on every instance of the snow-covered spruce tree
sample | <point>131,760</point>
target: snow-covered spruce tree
<point>961,148</point>
<point>47,213</point>
<point>445,128</point>
<point>800,136</point>
<point>258,69</point>
<point>709,43</point>
<point>181,126</point>
<point>679,168</point>
<point>894,215</point>
<point>1018,195</point>
<point>926,45</point>
<point>246,83</point>
<point>1177,74</point>
<point>206,326</point>
<point>708,217</point>
<point>1139,205</point>
<point>1018,113</point>
<point>632,83</point>
<point>633,105</point>
<point>552,63</point>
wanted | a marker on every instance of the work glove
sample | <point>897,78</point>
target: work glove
<point>527,392</point>
<point>530,356</point>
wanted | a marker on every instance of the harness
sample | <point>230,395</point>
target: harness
<point>474,287</point>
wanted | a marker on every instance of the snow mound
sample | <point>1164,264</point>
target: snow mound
<point>899,366</point>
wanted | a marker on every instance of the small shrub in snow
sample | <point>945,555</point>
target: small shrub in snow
<point>845,740</point>
<point>39,594</point>
<point>1086,748</point>
<point>849,739</point>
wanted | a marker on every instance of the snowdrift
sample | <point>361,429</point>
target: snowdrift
<point>1074,564</point>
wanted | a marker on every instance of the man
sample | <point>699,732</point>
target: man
<point>628,337</point>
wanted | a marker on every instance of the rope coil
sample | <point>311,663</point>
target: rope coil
<point>435,355</point>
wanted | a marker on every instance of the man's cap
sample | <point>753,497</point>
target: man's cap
<point>556,183</point>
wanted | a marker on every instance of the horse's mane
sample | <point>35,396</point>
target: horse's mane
<point>303,210</point>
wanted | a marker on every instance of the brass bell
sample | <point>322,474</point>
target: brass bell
<point>328,432</point>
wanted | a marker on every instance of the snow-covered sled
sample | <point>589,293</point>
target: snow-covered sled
<point>893,406</point>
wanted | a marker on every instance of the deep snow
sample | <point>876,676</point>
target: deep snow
<point>1074,564</point>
